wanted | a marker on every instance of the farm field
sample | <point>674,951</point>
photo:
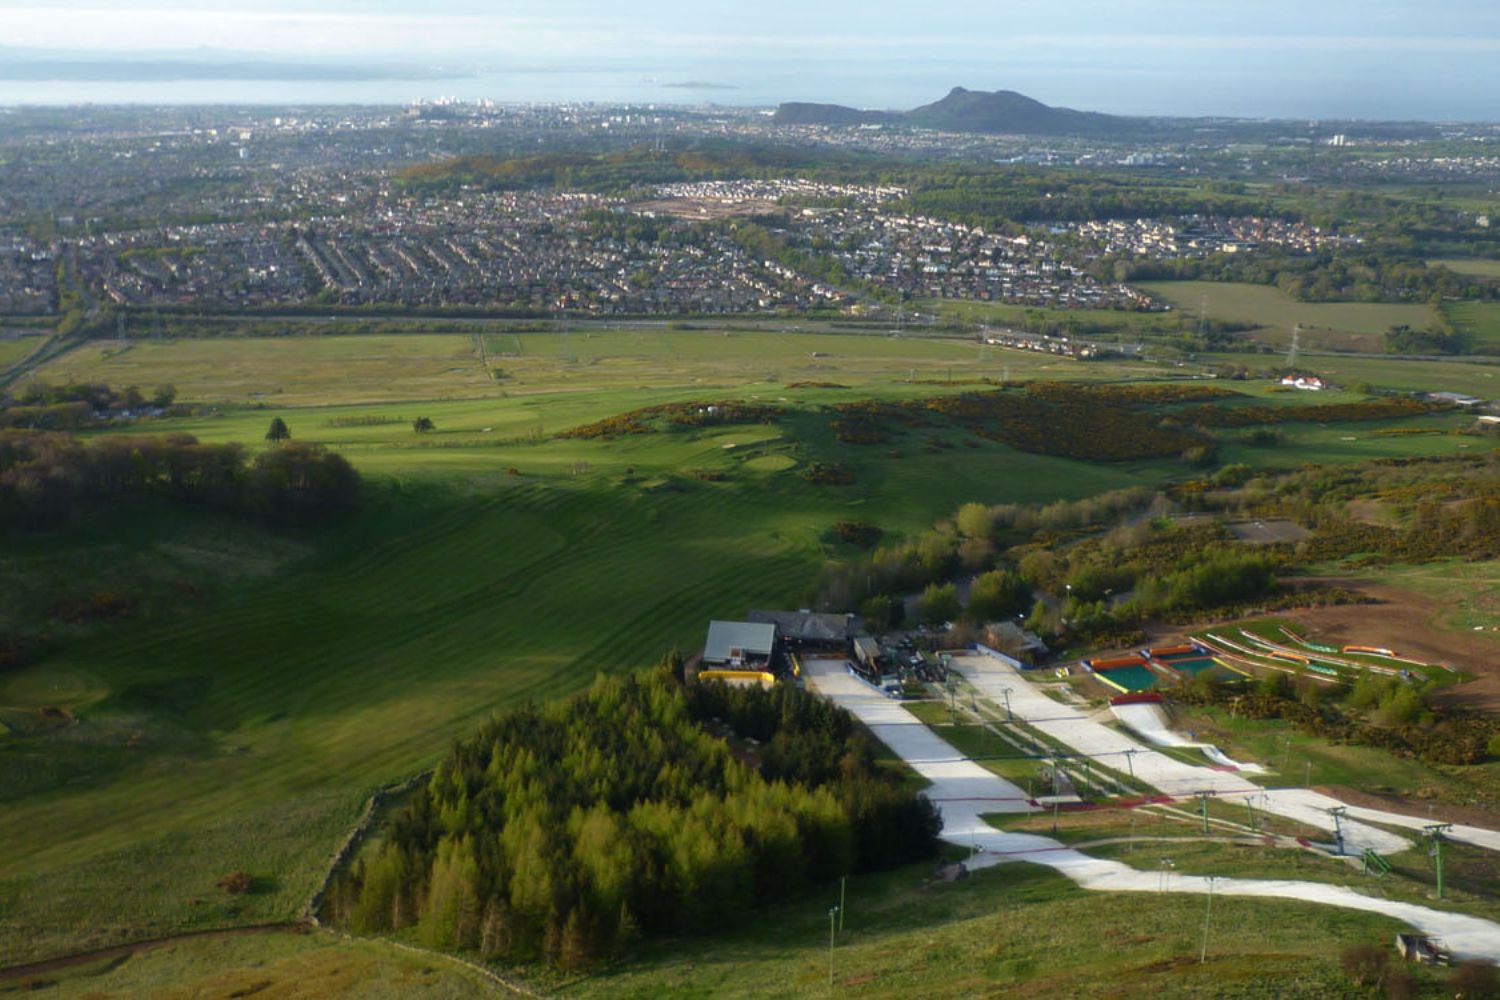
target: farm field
<point>320,371</point>
<point>1480,320</point>
<point>15,349</point>
<point>245,731</point>
<point>1478,267</point>
<point>286,371</point>
<point>1473,377</point>
<point>1325,325</point>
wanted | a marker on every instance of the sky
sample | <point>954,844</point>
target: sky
<point>1438,59</point>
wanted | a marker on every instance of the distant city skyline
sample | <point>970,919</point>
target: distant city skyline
<point>1382,59</point>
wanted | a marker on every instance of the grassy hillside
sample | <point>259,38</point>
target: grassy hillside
<point>243,729</point>
<point>245,735</point>
<point>1019,928</point>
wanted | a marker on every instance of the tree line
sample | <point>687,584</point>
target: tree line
<point>75,405</point>
<point>1085,569</point>
<point>566,832</point>
<point>48,477</point>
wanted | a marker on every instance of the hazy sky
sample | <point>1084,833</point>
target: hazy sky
<point>1372,58</point>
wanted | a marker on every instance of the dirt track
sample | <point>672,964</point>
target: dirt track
<point>1406,622</point>
<point>36,969</point>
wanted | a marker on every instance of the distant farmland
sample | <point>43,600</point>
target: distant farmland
<point>314,371</point>
<point>1477,267</point>
<point>1480,320</point>
<point>1325,325</point>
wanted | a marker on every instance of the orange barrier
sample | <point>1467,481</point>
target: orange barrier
<point>1377,650</point>
<point>1172,650</point>
<point>1294,657</point>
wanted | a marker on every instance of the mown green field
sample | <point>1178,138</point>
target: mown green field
<point>1480,320</point>
<point>1324,325</point>
<point>242,725</point>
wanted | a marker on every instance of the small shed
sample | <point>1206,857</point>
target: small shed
<point>866,651</point>
<point>739,643</point>
<point>1421,948</point>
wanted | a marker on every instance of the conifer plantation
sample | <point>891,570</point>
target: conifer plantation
<point>565,831</point>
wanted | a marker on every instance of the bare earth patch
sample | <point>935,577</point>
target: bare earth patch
<point>1408,623</point>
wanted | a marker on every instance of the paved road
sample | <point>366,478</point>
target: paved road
<point>963,792</point>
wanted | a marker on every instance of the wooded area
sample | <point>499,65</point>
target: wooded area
<point>47,477</point>
<point>566,831</point>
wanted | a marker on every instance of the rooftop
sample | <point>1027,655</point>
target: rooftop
<point>729,641</point>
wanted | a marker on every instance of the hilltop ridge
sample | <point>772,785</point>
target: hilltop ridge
<point>964,110</point>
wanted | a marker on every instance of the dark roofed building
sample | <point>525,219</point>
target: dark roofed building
<point>808,626</point>
<point>1013,640</point>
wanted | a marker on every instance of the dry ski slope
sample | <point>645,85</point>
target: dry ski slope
<point>963,791</point>
<point>992,678</point>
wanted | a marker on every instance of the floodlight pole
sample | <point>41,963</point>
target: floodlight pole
<point>1207,916</point>
<point>1130,761</point>
<point>832,914</point>
<point>1009,715</point>
<point>1337,812</point>
<point>1203,808</point>
<point>1436,833</point>
<point>843,884</point>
